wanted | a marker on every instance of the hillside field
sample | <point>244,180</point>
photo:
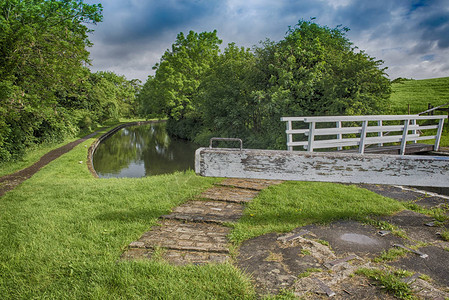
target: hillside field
<point>418,93</point>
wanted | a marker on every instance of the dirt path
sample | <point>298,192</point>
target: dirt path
<point>9,182</point>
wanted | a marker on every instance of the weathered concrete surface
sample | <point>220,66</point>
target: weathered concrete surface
<point>207,211</point>
<point>436,265</point>
<point>265,256</point>
<point>251,184</point>
<point>176,257</point>
<point>329,167</point>
<point>229,194</point>
<point>414,225</point>
<point>194,232</point>
<point>185,236</point>
<point>353,237</point>
<point>275,260</point>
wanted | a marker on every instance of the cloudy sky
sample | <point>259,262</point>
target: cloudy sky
<point>410,36</point>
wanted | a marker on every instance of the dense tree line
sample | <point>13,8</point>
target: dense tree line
<point>47,92</point>
<point>314,70</point>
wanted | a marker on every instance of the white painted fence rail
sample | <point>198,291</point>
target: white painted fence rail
<point>408,130</point>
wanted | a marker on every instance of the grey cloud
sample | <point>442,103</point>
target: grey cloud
<point>150,19</point>
<point>135,33</point>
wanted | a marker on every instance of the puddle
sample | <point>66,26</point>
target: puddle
<point>358,239</point>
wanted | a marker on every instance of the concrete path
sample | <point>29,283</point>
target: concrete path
<point>196,232</point>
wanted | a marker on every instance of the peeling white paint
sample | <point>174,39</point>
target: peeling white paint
<point>328,167</point>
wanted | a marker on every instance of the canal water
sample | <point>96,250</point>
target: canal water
<point>144,150</point>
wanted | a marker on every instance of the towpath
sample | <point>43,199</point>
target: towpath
<point>10,181</point>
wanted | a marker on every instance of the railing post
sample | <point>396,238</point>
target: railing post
<point>380,133</point>
<point>311,136</point>
<point>339,136</point>
<point>404,137</point>
<point>289,136</point>
<point>414,130</point>
<point>438,136</point>
<point>362,137</point>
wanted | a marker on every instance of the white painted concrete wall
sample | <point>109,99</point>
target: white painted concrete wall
<point>327,167</point>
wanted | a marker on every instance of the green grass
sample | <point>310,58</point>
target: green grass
<point>34,153</point>
<point>390,255</point>
<point>445,235</point>
<point>390,281</point>
<point>62,233</point>
<point>31,156</point>
<point>418,93</point>
<point>284,207</point>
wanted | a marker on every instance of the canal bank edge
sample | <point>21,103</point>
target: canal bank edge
<point>93,147</point>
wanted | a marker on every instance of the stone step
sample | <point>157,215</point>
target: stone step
<point>207,211</point>
<point>229,194</point>
<point>250,184</point>
<point>177,257</point>
<point>177,235</point>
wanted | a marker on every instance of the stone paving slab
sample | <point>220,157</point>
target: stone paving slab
<point>346,236</point>
<point>436,264</point>
<point>178,235</point>
<point>413,224</point>
<point>251,184</point>
<point>207,211</point>
<point>177,257</point>
<point>221,193</point>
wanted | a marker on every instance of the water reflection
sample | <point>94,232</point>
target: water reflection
<point>144,150</point>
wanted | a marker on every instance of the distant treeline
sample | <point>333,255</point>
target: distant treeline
<point>239,92</point>
<point>47,93</point>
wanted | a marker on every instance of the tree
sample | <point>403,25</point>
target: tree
<point>173,90</point>
<point>228,105</point>
<point>42,66</point>
<point>315,70</point>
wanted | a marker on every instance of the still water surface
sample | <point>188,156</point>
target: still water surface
<point>144,150</point>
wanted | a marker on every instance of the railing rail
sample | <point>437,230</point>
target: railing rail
<point>364,131</point>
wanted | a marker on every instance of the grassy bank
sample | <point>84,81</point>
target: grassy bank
<point>62,232</point>
<point>34,153</point>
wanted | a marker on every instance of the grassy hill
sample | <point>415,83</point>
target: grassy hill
<point>418,93</point>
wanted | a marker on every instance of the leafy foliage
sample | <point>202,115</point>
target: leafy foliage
<point>314,70</point>
<point>172,91</point>
<point>46,91</point>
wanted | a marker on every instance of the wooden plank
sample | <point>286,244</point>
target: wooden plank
<point>328,167</point>
<point>409,149</point>
<point>404,137</point>
<point>333,119</point>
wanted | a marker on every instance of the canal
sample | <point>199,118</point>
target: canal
<point>143,150</point>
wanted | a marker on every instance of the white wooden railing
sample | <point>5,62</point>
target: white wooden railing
<point>368,134</point>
